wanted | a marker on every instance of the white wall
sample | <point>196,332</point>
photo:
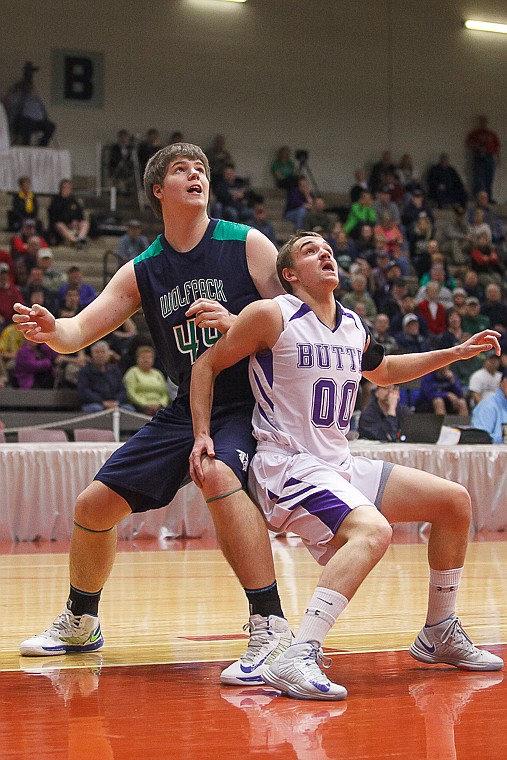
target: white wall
<point>342,78</point>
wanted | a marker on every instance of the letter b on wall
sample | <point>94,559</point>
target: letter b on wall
<point>77,79</point>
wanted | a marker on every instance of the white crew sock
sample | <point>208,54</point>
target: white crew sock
<point>323,609</point>
<point>444,585</point>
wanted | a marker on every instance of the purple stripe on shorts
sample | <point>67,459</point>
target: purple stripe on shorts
<point>295,495</point>
<point>265,362</point>
<point>328,508</point>
<point>291,482</point>
<point>262,391</point>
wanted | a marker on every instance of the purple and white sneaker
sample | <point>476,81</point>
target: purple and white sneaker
<point>296,673</point>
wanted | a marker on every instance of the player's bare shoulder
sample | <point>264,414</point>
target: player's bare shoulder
<point>261,258</point>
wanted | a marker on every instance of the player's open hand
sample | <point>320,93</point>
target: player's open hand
<point>212,314</point>
<point>486,340</point>
<point>35,322</point>
<point>203,446</point>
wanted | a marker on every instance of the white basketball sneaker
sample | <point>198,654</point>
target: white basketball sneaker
<point>69,633</point>
<point>448,643</point>
<point>296,673</point>
<point>269,637</point>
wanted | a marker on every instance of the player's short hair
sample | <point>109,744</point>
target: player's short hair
<point>285,259</point>
<point>156,168</point>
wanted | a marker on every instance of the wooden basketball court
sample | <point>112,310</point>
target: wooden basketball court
<point>172,614</point>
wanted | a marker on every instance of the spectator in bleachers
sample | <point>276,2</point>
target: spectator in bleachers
<point>360,213</point>
<point>132,243</point>
<point>359,185</point>
<point>34,365</point>
<point>444,293</point>
<point>218,157</point>
<point>100,383</point>
<point>299,201</point>
<point>121,339</point>
<point>20,241</point>
<point>406,305</point>
<point>491,413</point>
<point>87,292</point>
<point>9,295</point>
<point>440,392</point>
<point>388,228</point>
<point>341,245</point>
<point>380,171</point>
<point>360,294</point>
<point>459,298</point>
<point>10,343</point>
<point>382,417</point>
<point>495,308</point>
<point>21,273</point>
<point>365,245</point>
<point>485,261</point>
<point>26,111</point>
<point>148,147</point>
<point>472,285</point>
<point>121,165</point>
<point>6,258</point>
<point>479,226</point>
<point>67,221</point>
<point>456,236</point>
<point>35,290</point>
<point>432,311</point>
<point>52,278</point>
<point>454,334</point>
<point>473,321</point>
<point>24,206</point>
<point>440,272</point>
<point>484,145</point>
<point>233,196</point>
<point>261,222</point>
<point>390,300</point>
<point>385,208</point>
<point>407,174</point>
<point>485,381</point>
<point>409,339</point>
<point>445,186</point>
<point>283,169</point>
<point>414,208</point>
<point>482,202</point>
<point>146,386</point>
<point>71,304</point>
<point>382,335</point>
<point>316,218</point>
<point>419,236</point>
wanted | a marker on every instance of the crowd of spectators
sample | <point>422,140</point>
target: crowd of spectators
<point>421,261</point>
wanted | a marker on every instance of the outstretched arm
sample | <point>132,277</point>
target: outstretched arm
<point>404,367</point>
<point>118,301</point>
<point>256,328</point>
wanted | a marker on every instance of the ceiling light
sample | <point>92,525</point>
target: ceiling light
<point>485,26</point>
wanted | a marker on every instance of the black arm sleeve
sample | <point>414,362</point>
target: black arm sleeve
<point>374,354</point>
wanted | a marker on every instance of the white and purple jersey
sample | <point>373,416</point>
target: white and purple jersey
<point>305,388</point>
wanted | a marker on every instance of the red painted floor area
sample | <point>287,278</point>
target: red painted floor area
<point>396,708</point>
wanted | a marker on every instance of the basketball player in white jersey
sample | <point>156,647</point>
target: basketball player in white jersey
<point>307,357</point>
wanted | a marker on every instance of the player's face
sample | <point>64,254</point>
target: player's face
<point>185,183</point>
<point>314,263</point>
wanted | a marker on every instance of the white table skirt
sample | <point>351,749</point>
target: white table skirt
<point>39,485</point>
<point>45,166</point>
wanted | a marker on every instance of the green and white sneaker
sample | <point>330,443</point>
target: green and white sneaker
<point>296,673</point>
<point>69,633</point>
<point>448,643</point>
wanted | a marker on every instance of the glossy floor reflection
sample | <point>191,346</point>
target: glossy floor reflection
<point>396,709</point>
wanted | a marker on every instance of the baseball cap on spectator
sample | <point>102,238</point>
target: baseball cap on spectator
<point>409,318</point>
<point>459,292</point>
<point>45,253</point>
<point>393,264</point>
<point>133,223</point>
<point>473,300</point>
<point>4,267</point>
<point>417,191</point>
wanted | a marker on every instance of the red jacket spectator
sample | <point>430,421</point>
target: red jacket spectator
<point>435,316</point>
<point>9,294</point>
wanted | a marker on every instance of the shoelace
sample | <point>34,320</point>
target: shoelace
<point>258,639</point>
<point>455,632</point>
<point>64,622</point>
<point>311,662</point>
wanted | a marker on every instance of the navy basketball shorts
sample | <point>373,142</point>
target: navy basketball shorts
<point>149,468</point>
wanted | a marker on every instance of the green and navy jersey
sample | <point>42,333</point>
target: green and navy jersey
<point>170,281</point>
